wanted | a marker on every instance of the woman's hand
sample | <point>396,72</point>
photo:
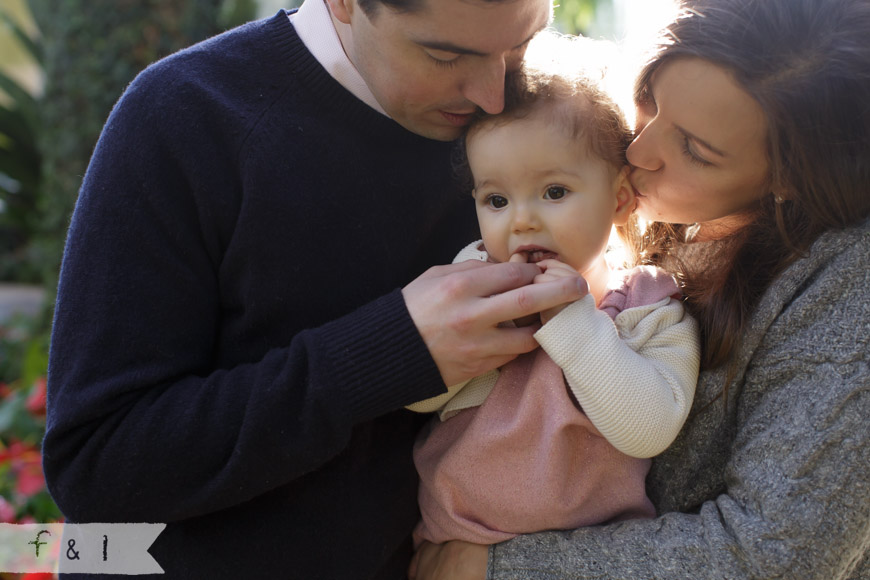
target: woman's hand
<point>454,560</point>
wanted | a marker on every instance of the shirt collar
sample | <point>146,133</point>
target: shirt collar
<point>316,29</point>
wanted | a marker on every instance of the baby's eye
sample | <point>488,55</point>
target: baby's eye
<point>496,201</point>
<point>555,192</point>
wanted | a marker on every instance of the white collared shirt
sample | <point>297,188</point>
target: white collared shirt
<point>315,27</point>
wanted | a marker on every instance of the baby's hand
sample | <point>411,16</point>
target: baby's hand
<point>553,270</point>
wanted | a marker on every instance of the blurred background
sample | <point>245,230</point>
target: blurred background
<point>62,67</point>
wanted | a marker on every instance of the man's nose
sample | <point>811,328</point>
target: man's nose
<point>485,85</point>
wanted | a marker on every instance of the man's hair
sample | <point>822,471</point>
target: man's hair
<point>371,7</point>
<point>807,64</point>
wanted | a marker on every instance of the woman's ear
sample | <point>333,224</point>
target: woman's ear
<point>342,9</point>
<point>625,199</point>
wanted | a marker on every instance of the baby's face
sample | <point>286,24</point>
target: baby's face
<point>539,193</point>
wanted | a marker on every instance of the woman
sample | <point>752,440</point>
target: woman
<point>754,127</point>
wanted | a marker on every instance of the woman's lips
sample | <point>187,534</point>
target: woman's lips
<point>634,186</point>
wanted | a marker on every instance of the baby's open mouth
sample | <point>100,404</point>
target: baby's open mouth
<point>534,256</point>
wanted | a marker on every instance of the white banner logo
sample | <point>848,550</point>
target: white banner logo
<point>81,548</point>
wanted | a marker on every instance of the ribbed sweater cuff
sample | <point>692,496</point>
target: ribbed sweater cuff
<point>379,359</point>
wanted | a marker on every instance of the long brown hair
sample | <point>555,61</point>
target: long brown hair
<point>807,63</point>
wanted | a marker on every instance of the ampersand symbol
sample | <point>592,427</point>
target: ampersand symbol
<point>71,550</point>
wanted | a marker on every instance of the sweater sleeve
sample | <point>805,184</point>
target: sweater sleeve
<point>634,379</point>
<point>143,424</point>
<point>795,501</point>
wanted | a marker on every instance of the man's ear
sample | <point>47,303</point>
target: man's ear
<point>342,9</point>
<point>625,199</point>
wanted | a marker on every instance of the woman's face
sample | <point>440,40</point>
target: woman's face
<point>700,155</point>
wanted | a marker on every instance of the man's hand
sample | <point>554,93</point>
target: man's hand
<point>450,561</point>
<point>553,270</point>
<point>457,309</point>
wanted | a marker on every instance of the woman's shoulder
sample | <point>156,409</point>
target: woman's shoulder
<point>837,259</point>
<point>819,307</point>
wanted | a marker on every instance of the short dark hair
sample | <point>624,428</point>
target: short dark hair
<point>370,7</point>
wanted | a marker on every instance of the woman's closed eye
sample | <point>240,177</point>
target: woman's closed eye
<point>691,154</point>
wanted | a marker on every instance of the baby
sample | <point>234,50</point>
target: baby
<point>560,437</point>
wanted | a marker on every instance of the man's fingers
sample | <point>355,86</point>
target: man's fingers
<point>512,342</point>
<point>498,278</point>
<point>444,270</point>
<point>533,298</point>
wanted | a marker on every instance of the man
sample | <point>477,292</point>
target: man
<point>241,314</point>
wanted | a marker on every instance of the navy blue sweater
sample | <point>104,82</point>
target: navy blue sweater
<point>231,351</point>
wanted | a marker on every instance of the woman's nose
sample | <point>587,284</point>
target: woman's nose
<point>643,152</point>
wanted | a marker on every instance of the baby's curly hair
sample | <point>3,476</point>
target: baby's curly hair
<point>568,96</point>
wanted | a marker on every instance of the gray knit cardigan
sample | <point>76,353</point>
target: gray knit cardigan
<point>775,484</point>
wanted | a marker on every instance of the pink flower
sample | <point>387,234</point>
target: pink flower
<point>36,401</point>
<point>26,467</point>
<point>30,479</point>
<point>7,512</point>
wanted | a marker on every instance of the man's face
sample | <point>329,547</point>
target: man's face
<point>432,67</point>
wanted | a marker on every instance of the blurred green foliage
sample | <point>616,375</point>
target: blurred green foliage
<point>19,159</point>
<point>575,16</point>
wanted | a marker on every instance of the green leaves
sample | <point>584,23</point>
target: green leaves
<point>20,162</point>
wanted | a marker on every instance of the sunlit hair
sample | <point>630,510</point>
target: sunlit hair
<point>807,64</point>
<point>557,85</point>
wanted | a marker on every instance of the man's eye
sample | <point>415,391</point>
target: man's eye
<point>443,58</point>
<point>555,192</point>
<point>496,201</point>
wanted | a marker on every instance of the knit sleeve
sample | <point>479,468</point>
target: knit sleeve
<point>794,501</point>
<point>634,379</point>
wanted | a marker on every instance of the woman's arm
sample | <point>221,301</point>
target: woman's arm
<point>797,503</point>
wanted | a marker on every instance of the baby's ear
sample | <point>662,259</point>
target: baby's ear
<point>625,199</point>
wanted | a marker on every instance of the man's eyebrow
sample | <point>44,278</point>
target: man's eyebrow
<point>450,47</point>
<point>700,141</point>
